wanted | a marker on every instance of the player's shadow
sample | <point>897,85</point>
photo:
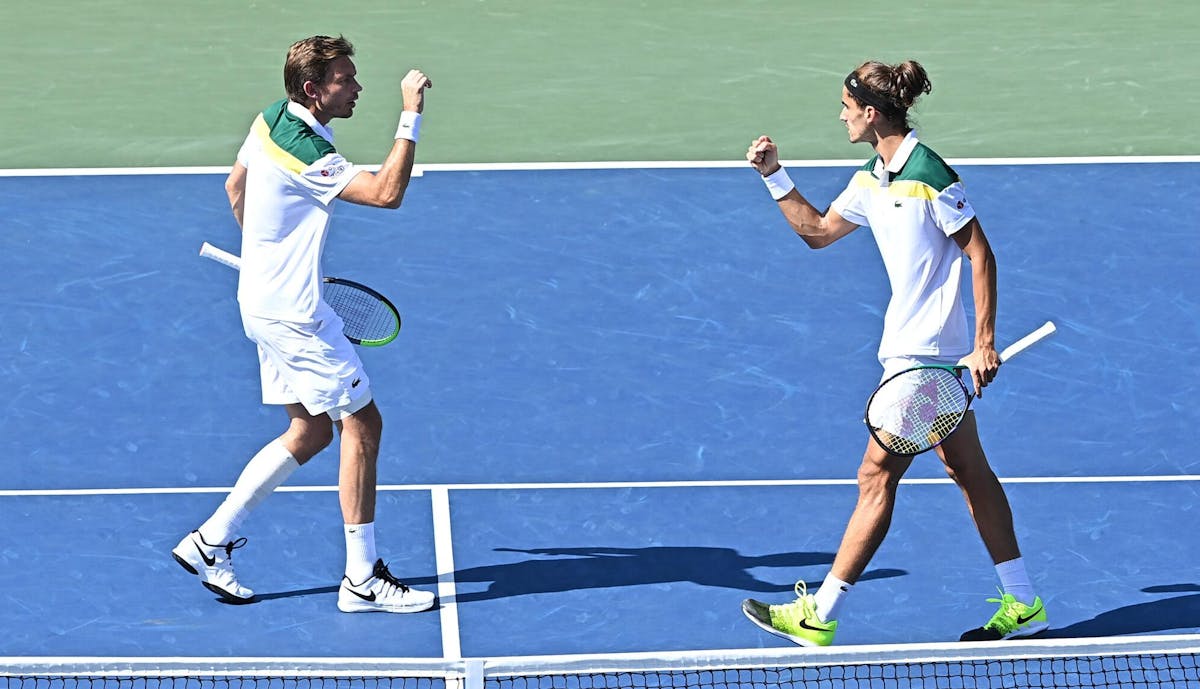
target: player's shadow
<point>260,597</point>
<point>1179,612</point>
<point>569,569</point>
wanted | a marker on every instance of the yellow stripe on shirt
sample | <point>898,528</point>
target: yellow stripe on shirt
<point>907,189</point>
<point>277,155</point>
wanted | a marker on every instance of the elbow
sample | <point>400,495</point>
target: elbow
<point>381,201</point>
<point>235,195</point>
<point>813,240</point>
<point>234,185</point>
<point>817,235</point>
<point>985,259</point>
<point>385,199</point>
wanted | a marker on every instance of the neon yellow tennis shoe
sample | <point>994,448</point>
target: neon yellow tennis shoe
<point>1013,620</point>
<point>797,621</point>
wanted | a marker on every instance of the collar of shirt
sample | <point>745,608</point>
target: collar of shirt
<point>303,113</point>
<point>898,160</point>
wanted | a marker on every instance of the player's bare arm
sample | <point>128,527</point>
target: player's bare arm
<point>235,188</point>
<point>984,361</point>
<point>817,229</point>
<point>385,189</point>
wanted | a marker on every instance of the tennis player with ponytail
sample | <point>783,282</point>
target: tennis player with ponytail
<point>916,208</point>
<point>282,190</point>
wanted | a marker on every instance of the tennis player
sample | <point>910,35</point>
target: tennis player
<point>924,226</point>
<point>282,190</point>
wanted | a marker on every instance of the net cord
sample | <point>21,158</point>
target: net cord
<point>469,672</point>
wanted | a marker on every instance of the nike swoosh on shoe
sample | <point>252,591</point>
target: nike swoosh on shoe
<point>369,599</point>
<point>210,561</point>
<point>1023,620</point>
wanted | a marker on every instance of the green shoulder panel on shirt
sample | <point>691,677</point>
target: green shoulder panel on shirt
<point>928,168</point>
<point>293,134</point>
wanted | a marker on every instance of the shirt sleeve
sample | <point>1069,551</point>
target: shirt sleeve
<point>952,210</point>
<point>851,204</point>
<point>327,177</point>
<point>243,154</point>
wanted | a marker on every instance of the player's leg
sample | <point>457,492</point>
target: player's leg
<point>367,586</point>
<point>360,435</point>
<point>811,620</point>
<point>986,500</point>
<point>208,551</point>
<point>1020,612</point>
<point>878,477</point>
<point>305,437</point>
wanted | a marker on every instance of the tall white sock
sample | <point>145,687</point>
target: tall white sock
<point>1015,580</point>
<point>360,552</point>
<point>262,475</point>
<point>830,597</point>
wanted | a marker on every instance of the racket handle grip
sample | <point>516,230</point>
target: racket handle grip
<point>1024,343</point>
<point>220,256</point>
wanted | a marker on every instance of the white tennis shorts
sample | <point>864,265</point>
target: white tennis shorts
<point>896,364</point>
<point>311,363</point>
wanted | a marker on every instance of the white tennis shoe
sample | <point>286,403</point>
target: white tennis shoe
<point>214,565</point>
<point>382,592</point>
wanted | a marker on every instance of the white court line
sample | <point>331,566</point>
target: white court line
<point>419,168</point>
<point>446,487</point>
<point>131,171</point>
<point>443,548</point>
<point>853,162</point>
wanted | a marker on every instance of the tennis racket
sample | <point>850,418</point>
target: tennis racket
<point>916,409</point>
<point>369,318</point>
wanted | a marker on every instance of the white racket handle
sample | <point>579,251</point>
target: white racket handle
<point>220,256</point>
<point>1024,343</point>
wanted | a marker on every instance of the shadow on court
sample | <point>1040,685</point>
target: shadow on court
<point>1168,614</point>
<point>260,597</point>
<point>570,569</point>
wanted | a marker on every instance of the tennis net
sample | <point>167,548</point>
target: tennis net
<point>1137,662</point>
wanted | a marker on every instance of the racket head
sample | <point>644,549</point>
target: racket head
<point>368,318</point>
<point>918,408</point>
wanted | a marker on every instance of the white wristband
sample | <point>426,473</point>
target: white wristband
<point>410,125</point>
<point>779,184</point>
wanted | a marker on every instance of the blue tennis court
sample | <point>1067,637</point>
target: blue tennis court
<point>622,401</point>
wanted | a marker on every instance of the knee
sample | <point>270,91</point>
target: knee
<point>365,425</point>
<point>877,478</point>
<point>965,465</point>
<point>970,474</point>
<point>311,436</point>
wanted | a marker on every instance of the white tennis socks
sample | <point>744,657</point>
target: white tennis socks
<point>360,552</point>
<point>262,475</point>
<point>1015,580</point>
<point>830,596</point>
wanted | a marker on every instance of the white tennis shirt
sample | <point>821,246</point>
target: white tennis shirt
<point>294,174</point>
<point>913,205</point>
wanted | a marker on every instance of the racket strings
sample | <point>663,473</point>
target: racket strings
<point>917,409</point>
<point>366,317</point>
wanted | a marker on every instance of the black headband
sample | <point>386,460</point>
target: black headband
<point>866,96</point>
